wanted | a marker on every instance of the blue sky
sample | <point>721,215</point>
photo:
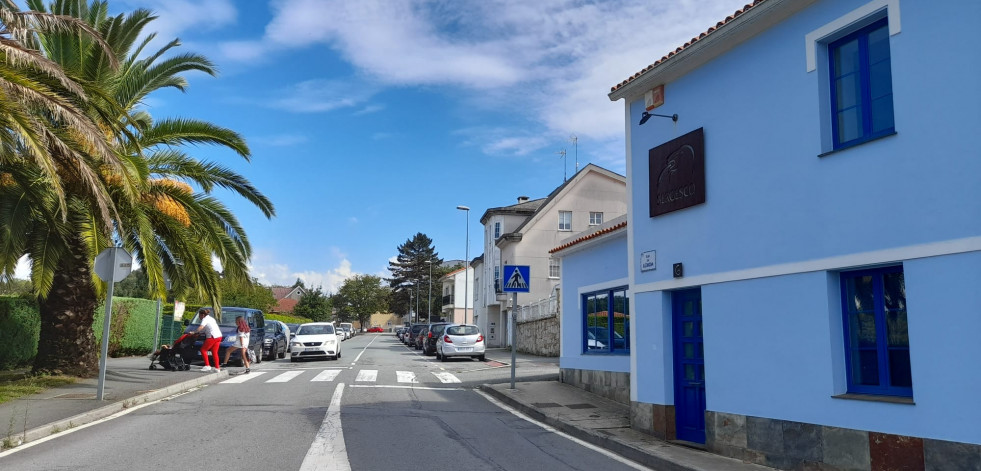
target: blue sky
<point>372,120</point>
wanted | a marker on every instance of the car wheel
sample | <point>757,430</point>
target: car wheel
<point>338,353</point>
<point>482,358</point>
<point>258,355</point>
<point>294,360</point>
<point>442,357</point>
<point>282,354</point>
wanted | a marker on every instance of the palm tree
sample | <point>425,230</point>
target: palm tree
<point>159,217</point>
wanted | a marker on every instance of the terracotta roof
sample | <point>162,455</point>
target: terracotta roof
<point>285,305</point>
<point>687,44</point>
<point>280,292</point>
<point>593,235</point>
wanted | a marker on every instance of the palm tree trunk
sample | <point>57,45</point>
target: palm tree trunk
<point>67,342</point>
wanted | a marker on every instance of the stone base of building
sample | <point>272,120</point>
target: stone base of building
<point>653,419</point>
<point>609,384</point>
<point>791,445</point>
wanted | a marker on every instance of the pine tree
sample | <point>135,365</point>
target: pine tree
<point>411,273</point>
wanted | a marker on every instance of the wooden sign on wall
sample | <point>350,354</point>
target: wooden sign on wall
<point>677,173</point>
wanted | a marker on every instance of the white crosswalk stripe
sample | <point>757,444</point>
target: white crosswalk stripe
<point>445,377</point>
<point>241,377</point>
<point>406,377</point>
<point>367,375</point>
<point>326,375</point>
<point>285,377</point>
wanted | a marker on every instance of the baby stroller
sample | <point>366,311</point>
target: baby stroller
<point>172,357</point>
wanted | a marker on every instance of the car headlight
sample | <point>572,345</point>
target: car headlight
<point>297,344</point>
<point>330,342</point>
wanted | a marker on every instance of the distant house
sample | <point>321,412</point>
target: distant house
<point>523,234</point>
<point>286,297</point>
<point>804,237</point>
<point>457,296</point>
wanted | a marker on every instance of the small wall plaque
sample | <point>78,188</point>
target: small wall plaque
<point>678,270</point>
<point>647,261</point>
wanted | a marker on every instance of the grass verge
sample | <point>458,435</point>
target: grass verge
<point>17,385</point>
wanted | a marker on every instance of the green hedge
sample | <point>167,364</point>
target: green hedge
<point>287,319</point>
<point>131,331</point>
<point>20,326</point>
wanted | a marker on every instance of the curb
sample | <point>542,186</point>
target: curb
<point>105,411</point>
<point>609,443</point>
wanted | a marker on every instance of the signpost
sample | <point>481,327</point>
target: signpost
<point>112,265</point>
<point>517,280</point>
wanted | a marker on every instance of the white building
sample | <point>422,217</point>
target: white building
<point>457,296</point>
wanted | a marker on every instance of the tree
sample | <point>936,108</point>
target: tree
<point>314,305</point>
<point>246,294</point>
<point>133,286</point>
<point>411,272</point>
<point>155,213</point>
<point>360,297</point>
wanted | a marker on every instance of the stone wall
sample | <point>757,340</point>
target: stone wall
<point>609,384</point>
<point>539,337</point>
<point>794,445</point>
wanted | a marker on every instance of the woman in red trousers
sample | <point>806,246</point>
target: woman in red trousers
<point>212,339</point>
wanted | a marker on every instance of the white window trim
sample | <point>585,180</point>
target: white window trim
<point>558,263</point>
<point>560,221</point>
<point>814,39</point>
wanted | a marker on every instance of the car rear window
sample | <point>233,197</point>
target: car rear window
<point>462,330</point>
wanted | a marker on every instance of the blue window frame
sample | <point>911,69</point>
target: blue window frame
<point>876,332</point>
<point>606,321</point>
<point>861,86</point>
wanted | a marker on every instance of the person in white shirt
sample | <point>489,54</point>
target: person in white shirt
<point>212,340</point>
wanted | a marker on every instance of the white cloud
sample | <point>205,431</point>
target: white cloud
<point>317,96</point>
<point>269,272</point>
<point>23,269</point>
<point>369,109</point>
<point>174,17</point>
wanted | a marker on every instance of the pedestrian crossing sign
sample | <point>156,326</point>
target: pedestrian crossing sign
<point>516,279</point>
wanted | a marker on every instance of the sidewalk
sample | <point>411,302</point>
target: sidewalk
<point>571,410</point>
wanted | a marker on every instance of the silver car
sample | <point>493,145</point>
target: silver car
<point>460,340</point>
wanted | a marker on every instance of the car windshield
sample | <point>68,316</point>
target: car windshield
<point>293,327</point>
<point>228,316</point>
<point>462,330</point>
<point>315,329</point>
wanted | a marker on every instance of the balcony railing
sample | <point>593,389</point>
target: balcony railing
<point>541,309</point>
<point>448,300</point>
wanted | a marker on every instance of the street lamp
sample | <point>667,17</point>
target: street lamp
<point>429,305</point>
<point>466,265</point>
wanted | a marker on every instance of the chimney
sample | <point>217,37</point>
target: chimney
<point>522,199</point>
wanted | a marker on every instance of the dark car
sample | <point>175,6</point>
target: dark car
<point>292,328</point>
<point>229,333</point>
<point>429,343</point>
<point>275,343</point>
<point>413,334</point>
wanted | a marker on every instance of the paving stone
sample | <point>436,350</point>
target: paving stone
<point>940,455</point>
<point>846,449</point>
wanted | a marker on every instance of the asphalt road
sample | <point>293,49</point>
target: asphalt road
<point>381,406</point>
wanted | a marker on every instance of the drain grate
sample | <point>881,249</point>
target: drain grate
<point>581,406</point>
<point>543,405</point>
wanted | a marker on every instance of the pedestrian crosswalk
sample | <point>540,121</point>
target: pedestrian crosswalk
<point>363,376</point>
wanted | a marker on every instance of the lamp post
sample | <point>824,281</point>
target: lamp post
<point>466,265</point>
<point>429,305</point>
<point>410,307</point>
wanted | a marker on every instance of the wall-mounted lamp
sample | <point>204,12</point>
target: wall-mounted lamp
<point>645,116</point>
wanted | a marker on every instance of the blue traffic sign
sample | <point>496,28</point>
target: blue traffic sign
<point>517,279</point>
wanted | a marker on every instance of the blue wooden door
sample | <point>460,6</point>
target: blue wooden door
<point>689,365</point>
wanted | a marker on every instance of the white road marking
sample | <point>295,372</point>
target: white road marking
<point>367,375</point>
<point>447,377</point>
<point>392,386</point>
<point>548,428</point>
<point>97,422</point>
<point>284,377</point>
<point>406,377</point>
<point>328,451</point>
<point>326,375</point>
<point>362,351</point>
<point>243,377</point>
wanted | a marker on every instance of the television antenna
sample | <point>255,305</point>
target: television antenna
<point>562,153</point>
<point>575,144</point>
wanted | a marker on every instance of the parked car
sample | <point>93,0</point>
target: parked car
<point>292,328</point>
<point>316,340</point>
<point>459,340</point>
<point>413,333</point>
<point>376,329</point>
<point>348,329</point>
<point>276,341</point>
<point>420,337</point>
<point>429,343</point>
<point>229,332</point>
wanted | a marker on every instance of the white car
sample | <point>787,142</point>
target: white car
<point>347,328</point>
<point>315,340</point>
<point>460,340</point>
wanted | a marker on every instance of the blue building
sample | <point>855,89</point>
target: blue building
<point>803,240</point>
